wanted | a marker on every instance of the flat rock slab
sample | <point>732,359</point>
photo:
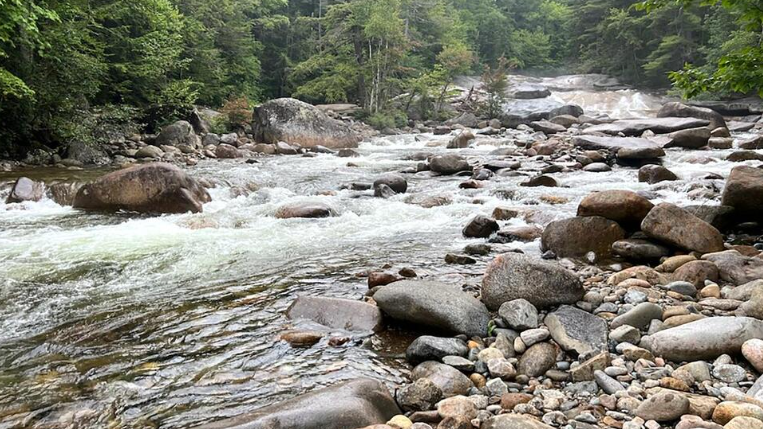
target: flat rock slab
<point>635,127</point>
<point>577,330</point>
<point>434,304</point>
<point>705,339</point>
<point>337,313</point>
<point>350,405</point>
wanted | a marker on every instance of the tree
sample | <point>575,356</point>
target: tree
<point>495,84</point>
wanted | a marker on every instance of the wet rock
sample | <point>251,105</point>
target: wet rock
<point>639,147</point>
<point>720,143</point>
<point>652,174</point>
<point>302,338</point>
<point>744,192</point>
<point>480,227</point>
<point>675,226</point>
<point>354,404</point>
<point>380,278</point>
<point>569,109</point>
<point>539,181</point>
<point>577,236</point>
<point>624,207</point>
<point>663,407</point>
<point>295,122</point>
<point>396,182</point>
<point>63,193</point>
<point>577,331</point>
<point>636,127</point>
<point>421,395</point>
<point>597,167</point>
<point>527,91</point>
<point>513,276</point>
<point>538,359</point>
<point>704,339</point>
<point>304,210</point>
<point>744,155</point>
<point>754,143</point>
<point>177,134</point>
<point>450,380</point>
<point>25,189</point>
<point>519,314</point>
<point>638,249</point>
<point>692,138</point>
<point>337,313</point>
<point>383,191</point>
<point>462,140</point>
<point>449,164</point>
<point>680,110</point>
<point>434,348</point>
<point>147,188</point>
<point>514,421</point>
<point>438,305</point>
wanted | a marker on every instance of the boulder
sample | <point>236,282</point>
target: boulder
<point>744,192</point>
<point>25,189</point>
<point>576,237</point>
<point>466,119</point>
<point>451,381</point>
<point>87,154</point>
<point>652,174</point>
<point>577,330</point>
<point>626,148</point>
<point>426,348</point>
<point>624,207</point>
<point>396,182</point>
<point>349,405</point>
<point>677,227</point>
<point>179,133</point>
<point>704,339</point>
<point>721,217</point>
<point>226,151</point>
<point>304,210</point>
<point>519,314</point>
<point>735,268</point>
<point>680,110</point>
<point>744,155</point>
<point>636,127</point>
<point>528,91</point>
<point>63,193</point>
<point>753,143</point>
<point>449,164</point>
<point>567,110</point>
<point>461,140</point>
<point>438,305</point>
<point>480,227</point>
<point>147,152</point>
<point>147,188</point>
<point>295,122</point>
<point>337,313</point>
<point>513,276</point>
<point>690,138</point>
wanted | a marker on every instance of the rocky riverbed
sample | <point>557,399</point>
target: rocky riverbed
<point>555,268</point>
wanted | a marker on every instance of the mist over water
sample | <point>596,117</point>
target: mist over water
<point>168,321</point>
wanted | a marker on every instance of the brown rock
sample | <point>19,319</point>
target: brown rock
<point>674,225</point>
<point>624,207</point>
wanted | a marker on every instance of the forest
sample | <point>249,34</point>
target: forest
<point>71,68</point>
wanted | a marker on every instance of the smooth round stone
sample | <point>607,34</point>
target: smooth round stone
<point>729,373</point>
<point>728,410</point>
<point>684,288</point>
<point>533,336</point>
<point>753,352</point>
<point>663,407</point>
<point>457,406</point>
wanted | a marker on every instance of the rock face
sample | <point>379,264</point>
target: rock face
<point>577,330</point>
<point>636,127</point>
<point>705,339</point>
<point>512,276</point>
<point>350,405</point>
<point>744,192</point>
<point>295,122</point>
<point>304,210</point>
<point>337,313</point>
<point>25,189</point>
<point>680,110</point>
<point>576,237</point>
<point>624,207</point>
<point>147,188</point>
<point>434,304</point>
<point>676,226</point>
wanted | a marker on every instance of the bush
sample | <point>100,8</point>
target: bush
<point>237,112</point>
<point>385,119</point>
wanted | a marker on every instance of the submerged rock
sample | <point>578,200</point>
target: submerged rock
<point>513,276</point>
<point>337,313</point>
<point>295,122</point>
<point>147,188</point>
<point>434,304</point>
<point>353,404</point>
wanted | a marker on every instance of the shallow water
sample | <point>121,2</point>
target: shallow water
<point>132,321</point>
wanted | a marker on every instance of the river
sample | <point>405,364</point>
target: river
<point>166,322</point>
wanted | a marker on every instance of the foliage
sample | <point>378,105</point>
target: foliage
<point>495,85</point>
<point>237,112</point>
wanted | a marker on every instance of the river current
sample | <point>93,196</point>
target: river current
<point>165,322</point>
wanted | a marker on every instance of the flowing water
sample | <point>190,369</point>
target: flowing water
<point>133,321</point>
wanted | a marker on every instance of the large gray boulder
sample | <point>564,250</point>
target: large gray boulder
<point>577,331</point>
<point>513,276</point>
<point>26,189</point>
<point>337,313</point>
<point>680,110</point>
<point>576,237</point>
<point>179,133</point>
<point>636,127</point>
<point>296,122</point>
<point>351,405</point>
<point>744,192</point>
<point>704,339</point>
<point>449,164</point>
<point>147,188</point>
<point>675,226</point>
<point>434,304</point>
